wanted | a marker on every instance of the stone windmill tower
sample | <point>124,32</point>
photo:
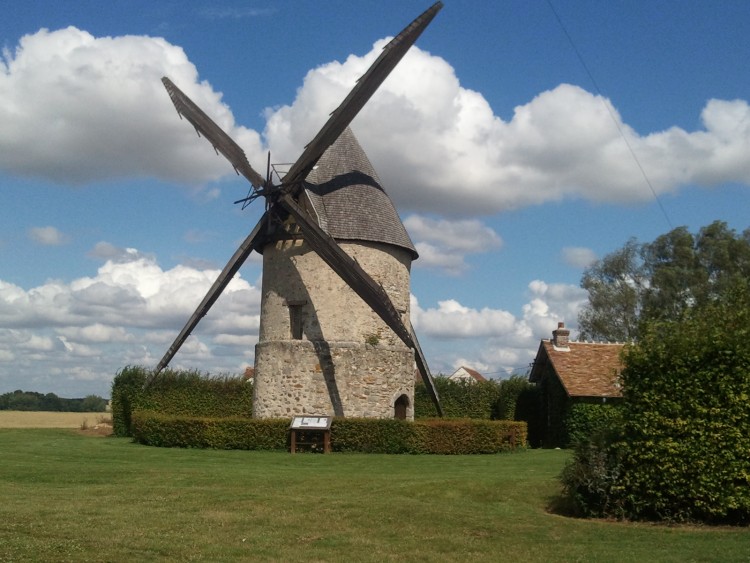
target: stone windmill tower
<point>335,335</point>
<point>321,349</point>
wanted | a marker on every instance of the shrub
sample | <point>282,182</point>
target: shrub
<point>591,480</point>
<point>510,392</point>
<point>684,450</point>
<point>225,433</point>
<point>459,399</point>
<point>385,436</point>
<point>177,392</point>
<point>584,420</point>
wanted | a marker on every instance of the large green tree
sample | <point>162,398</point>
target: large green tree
<point>662,279</point>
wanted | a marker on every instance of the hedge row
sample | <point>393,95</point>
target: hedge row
<point>680,451</point>
<point>177,393</point>
<point>386,436</point>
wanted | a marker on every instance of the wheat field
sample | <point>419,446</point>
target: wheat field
<point>38,419</point>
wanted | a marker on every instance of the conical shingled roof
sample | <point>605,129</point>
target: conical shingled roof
<point>348,200</point>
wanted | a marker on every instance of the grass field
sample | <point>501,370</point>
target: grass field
<point>70,497</point>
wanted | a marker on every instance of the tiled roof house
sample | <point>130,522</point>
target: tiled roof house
<point>466,374</point>
<point>567,372</point>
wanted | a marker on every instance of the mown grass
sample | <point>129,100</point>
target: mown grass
<point>67,497</point>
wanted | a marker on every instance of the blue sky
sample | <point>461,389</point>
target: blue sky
<point>511,139</point>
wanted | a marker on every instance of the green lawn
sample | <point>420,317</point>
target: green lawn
<point>67,497</point>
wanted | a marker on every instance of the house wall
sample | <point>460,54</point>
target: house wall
<point>346,361</point>
<point>555,402</point>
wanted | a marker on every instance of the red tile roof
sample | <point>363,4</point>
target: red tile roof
<point>586,369</point>
<point>474,374</point>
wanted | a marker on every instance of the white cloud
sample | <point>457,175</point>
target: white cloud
<point>495,340</point>
<point>78,108</point>
<point>443,244</point>
<point>439,147</point>
<point>578,256</point>
<point>127,313</point>
<point>48,236</point>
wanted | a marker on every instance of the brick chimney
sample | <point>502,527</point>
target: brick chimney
<point>560,336</point>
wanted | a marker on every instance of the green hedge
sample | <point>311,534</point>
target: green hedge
<point>459,399</point>
<point>386,436</point>
<point>681,451</point>
<point>177,393</point>
<point>584,420</point>
<point>225,433</point>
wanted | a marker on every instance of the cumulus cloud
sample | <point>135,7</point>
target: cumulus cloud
<point>48,236</point>
<point>127,313</point>
<point>440,148</point>
<point>443,244</point>
<point>495,339</point>
<point>78,108</point>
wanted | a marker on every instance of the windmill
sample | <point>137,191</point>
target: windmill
<point>337,344</point>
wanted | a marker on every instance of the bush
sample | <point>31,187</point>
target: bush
<point>225,433</point>
<point>177,392</point>
<point>510,392</point>
<point>385,436</point>
<point>591,480</point>
<point>584,420</point>
<point>684,451</point>
<point>459,399</point>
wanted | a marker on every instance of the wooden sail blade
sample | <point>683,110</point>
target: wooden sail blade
<point>366,86</point>
<point>424,372</point>
<point>362,283</point>
<point>226,275</point>
<point>222,142</point>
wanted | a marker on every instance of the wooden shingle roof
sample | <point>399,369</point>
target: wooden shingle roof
<point>585,369</point>
<point>345,194</point>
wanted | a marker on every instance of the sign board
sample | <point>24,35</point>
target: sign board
<point>311,423</point>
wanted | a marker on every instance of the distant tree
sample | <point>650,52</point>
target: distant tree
<point>19,400</point>
<point>661,280</point>
<point>615,285</point>
<point>93,403</point>
<point>51,402</point>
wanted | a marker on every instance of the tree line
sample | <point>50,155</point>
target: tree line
<point>32,401</point>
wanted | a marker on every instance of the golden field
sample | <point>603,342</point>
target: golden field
<point>38,419</point>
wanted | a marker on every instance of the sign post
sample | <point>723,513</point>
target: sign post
<point>308,430</point>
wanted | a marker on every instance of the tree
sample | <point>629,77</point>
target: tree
<point>661,280</point>
<point>616,286</point>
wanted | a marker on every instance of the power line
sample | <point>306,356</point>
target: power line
<point>611,113</point>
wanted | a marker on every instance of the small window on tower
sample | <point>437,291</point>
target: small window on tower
<point>296,318</point>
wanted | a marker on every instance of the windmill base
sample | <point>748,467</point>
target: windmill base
<point>349,379</point>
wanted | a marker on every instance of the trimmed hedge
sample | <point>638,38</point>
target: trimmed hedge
<point>681,451</point>
<point>177,393</point>
<point>385,436</point>
<point>459,399</point>
<point>225,433</point>
<point>584,420</point>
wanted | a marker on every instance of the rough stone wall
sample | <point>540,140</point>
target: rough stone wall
<point>339,379</point>
<point>347,362</point>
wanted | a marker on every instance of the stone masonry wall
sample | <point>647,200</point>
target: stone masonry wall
<point>347,362</point>
<point>338,379</point>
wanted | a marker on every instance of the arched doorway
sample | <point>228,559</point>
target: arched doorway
<point>400,407</point>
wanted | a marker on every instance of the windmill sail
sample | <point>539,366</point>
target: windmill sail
<point>292,185</point>
<point>343,115</point>
<point>226,275</point>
